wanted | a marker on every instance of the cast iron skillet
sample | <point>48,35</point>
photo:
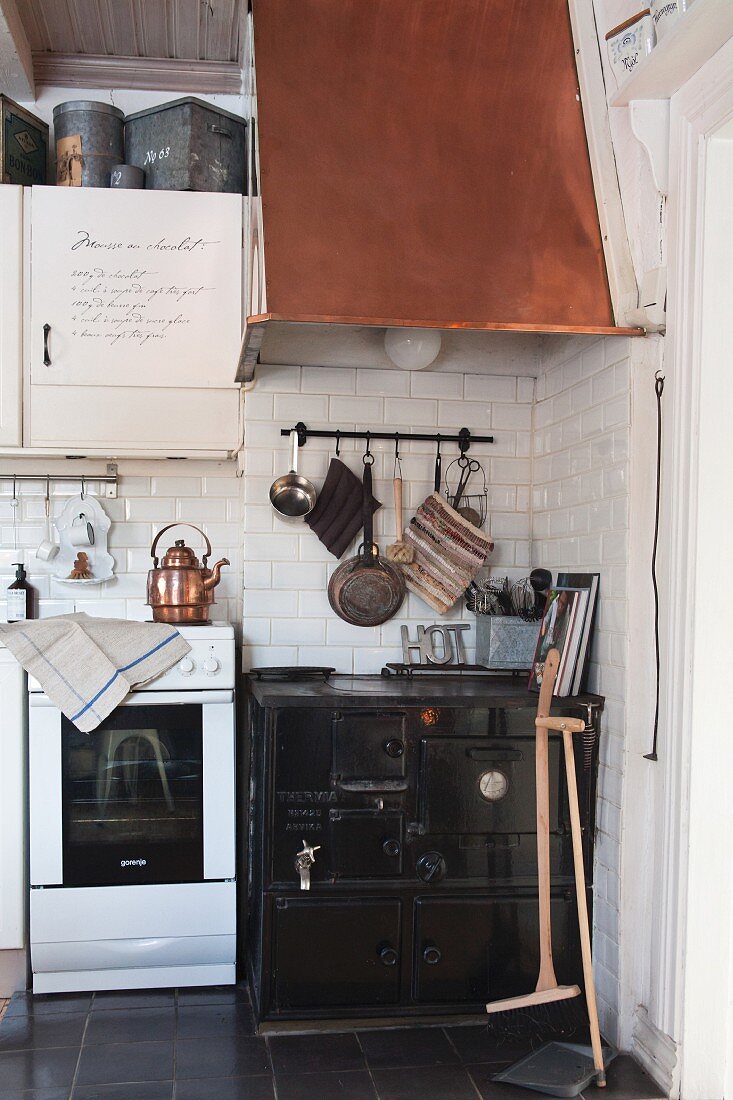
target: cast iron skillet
<point>365,590</point>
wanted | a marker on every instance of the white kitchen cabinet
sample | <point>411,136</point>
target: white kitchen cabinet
<point>12,824</point>
<point>11,313</point>
<point>135,321</point>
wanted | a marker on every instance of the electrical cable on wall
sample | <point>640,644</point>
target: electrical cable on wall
<point>658,389</point>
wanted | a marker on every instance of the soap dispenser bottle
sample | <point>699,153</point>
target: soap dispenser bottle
<point>21,597</point>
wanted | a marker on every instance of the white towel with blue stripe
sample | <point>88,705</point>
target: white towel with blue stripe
<point>86,666</point>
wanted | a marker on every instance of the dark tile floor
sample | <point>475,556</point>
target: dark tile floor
<point>199,1044</point>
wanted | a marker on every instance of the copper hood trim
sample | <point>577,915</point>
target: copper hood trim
<point>476,326</point>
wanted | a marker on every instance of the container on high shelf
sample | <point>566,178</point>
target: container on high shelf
<point>23,145</point>
<point>629,43</point>
<point>89,142</point>
<point>188,145</point>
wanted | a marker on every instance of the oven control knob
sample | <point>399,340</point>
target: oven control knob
<point>211,665</point>
<point>431,867</point>
<point>388,955</point>
<point>394,747</point>
<point>186,666</point>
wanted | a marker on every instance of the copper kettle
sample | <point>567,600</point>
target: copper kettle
<point>180,590</point>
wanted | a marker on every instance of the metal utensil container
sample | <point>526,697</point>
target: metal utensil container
<point>99,127</point>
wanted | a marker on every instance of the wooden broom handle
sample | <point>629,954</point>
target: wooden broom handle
<point>546,978</point>
<point>398,508</point>
<point>585,948</point>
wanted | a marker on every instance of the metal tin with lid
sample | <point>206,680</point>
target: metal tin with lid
<point>23,145</point>
<point>88,134</point>
<point>188,145</point>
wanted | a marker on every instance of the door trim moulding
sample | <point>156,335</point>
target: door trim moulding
<point>682,985</point>
<point>619,266</point>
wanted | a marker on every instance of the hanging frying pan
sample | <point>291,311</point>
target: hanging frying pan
<point>365,590</point>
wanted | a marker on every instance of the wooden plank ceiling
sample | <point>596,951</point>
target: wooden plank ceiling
<point>201,30</point>
<point>170,45</point>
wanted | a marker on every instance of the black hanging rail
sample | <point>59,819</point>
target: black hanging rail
<point>464,438</point>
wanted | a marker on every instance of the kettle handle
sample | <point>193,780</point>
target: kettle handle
<point>182,523</point>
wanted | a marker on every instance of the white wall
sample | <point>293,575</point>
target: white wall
<point>128,100</point>
<point>151,494</point>
<point>580,500</point>
<point>287,617</point>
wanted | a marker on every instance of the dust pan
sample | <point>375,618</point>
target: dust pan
<point>556,1069</point>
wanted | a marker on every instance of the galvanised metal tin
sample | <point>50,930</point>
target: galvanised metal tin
<point>188,145</point>
<point>505,642</point>
<point>23,145</point>
<point>127,176</point>
<point>100,127</point>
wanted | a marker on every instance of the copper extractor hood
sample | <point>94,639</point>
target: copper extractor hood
<point>421,164</point>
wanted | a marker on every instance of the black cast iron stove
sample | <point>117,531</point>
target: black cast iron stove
<point>392,845</point>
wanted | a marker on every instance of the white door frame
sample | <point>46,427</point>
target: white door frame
<point>689,934</point>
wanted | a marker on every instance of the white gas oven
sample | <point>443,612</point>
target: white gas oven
<point>132,831</point>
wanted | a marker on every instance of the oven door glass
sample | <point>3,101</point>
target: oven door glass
<point>133,797</point>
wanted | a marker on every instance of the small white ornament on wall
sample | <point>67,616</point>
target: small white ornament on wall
<point>83,557</point>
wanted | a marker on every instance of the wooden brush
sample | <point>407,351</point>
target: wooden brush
<point>399,552</point>
<point>547,989</point>
<point>569,726</point>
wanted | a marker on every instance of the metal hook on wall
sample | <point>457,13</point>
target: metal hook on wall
<point>397,472</point>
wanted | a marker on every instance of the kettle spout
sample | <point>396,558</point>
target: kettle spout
<point>214,575</point>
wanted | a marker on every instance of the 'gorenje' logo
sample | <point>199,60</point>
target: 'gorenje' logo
<point>133,863</point>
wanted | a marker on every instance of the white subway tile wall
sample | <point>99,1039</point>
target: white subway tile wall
<point>151,494</point>
<point>580,490</point>
<point>557,479</point>
<point>287,617</point>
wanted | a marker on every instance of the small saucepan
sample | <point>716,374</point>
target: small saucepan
<point>293,496</point>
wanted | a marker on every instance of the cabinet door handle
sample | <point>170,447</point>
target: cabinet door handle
<point>46,356</point>
<point>218,130</point>
<point>388,955</point>
<point>432,955</point>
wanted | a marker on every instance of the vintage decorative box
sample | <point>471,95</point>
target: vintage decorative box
<point>23,145</point>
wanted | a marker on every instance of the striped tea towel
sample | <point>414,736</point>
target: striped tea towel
<point>449,551</point>
<point>87,666</point>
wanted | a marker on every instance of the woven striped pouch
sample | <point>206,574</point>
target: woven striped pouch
<point>449,551</point>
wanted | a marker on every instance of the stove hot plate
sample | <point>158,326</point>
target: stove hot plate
<point>292,674</point>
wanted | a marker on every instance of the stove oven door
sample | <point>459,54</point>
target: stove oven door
<point>365,843</point>
<point>469,785</point>
<point>147,797</point>
<point>369,751</point>
<point>331,953</point>
<point>469,950</point>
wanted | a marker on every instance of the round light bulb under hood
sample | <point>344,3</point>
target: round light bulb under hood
<point>412,348</point>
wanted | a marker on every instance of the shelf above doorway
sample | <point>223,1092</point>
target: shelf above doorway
<point>692,41</point>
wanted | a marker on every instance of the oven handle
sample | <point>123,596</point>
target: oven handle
<point>494,754</point>
<point>151,698</point>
